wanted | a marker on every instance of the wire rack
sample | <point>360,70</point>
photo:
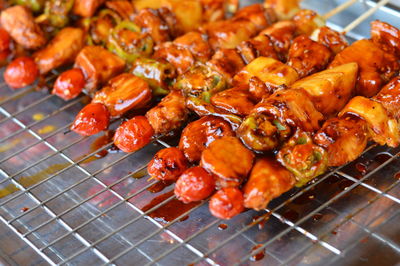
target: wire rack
<point>73,205</point>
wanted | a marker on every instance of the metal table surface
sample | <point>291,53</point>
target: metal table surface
<point>90,212</point>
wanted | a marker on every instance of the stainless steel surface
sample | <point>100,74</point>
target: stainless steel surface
<point>82,212</point>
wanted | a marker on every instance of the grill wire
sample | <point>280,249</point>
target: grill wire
<point>84,211</point>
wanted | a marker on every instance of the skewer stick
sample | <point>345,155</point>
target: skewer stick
<point>339,9</point>
<point>364,16</point>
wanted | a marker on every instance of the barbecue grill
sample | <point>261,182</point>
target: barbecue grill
<point>74,200</point>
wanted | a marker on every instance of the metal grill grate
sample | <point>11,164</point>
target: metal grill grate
<point>73,209</point>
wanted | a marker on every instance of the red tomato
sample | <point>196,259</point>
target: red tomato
<point>167,164</point>
<point>4,40</point>
<point>21,72</point>
<point>69,84</point>
<point>133,134</point>
<point>92,119</point>
<point>194,184</point>
<point>227,203</point>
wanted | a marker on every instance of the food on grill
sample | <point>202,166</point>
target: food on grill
<point>21,72</point>
<point>19,22</point>
<point>376,66</point>
<point>167,164</point>
<point>198,135</point>
<point>194,184</point>
<point>92,119</point>
<point>226,203</point>
<point>69,84</point>
<point>61,50</point>
<point>133,134</point>
<point>274,99</point>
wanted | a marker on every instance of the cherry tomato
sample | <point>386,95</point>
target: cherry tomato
<point>194,184</point>
<point>226,203</point>
<point>167,164</point>
<point>21,72</point>
<point>69,84</point>
<point>4,40</point>
<point>92,119</point>
<point>133,134</point>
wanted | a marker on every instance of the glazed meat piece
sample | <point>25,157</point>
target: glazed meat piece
<point>227,62</point>
<point>376,66</point>
<point>389,97</point>
<point>201,82</point>
<point>235,100</point>
<point>214,10</point>
<point>307,21</point>
<point>197,45</point>
<point>285,9</point>
<point>169,114</point>
<point>198,135</point>
<point>332,39</point>
<point>268,180</point>
<point>308,57</point>
<point>382,128</point>
<point>330,89</point>
<point>180,57</point>
<point>123,8</point>
<point>228,160</point>
<point>272,72</point>
<point>272,120</point>
<point>167,164</point>
<point>281,34</point>
<point>343,138</point>
<point>21,72</point>
<point>386,36</point>
<point>229,34</point>
<point>86,8</point>
<point>123,93</point>
<point>98,66</point>
<point>256,47</point>
<point>258,15</point>
<point>151,23</point>
<point>19,22</point>
<point>158,73</point>
<point>61,50</point>
<point>258,89</point>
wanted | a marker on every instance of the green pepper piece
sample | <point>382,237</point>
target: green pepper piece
<point>34,5</point>
<point>56,12</point>
<point>202,82</point>
<point>303,158</point>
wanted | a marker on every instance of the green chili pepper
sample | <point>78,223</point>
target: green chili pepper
<point>34,5</point>
<point>101,26</point>
<point>56,12</point>
<point>258,133</point>
<point>126,49</point>
<point>202,82</point>
<point>303,158</point>
<point>158,74</point>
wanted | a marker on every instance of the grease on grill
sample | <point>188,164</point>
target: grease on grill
<point>27,181</point>
<point>258,256</point>
<point>222,226</point>
<point>139,174</point>
<point>46,129</point>
<point>159,186</point>
<point>261,223</point>
<point>291,215</point>
<point>397,175</point>
<point>169,211</point>
<point>97,144</point>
